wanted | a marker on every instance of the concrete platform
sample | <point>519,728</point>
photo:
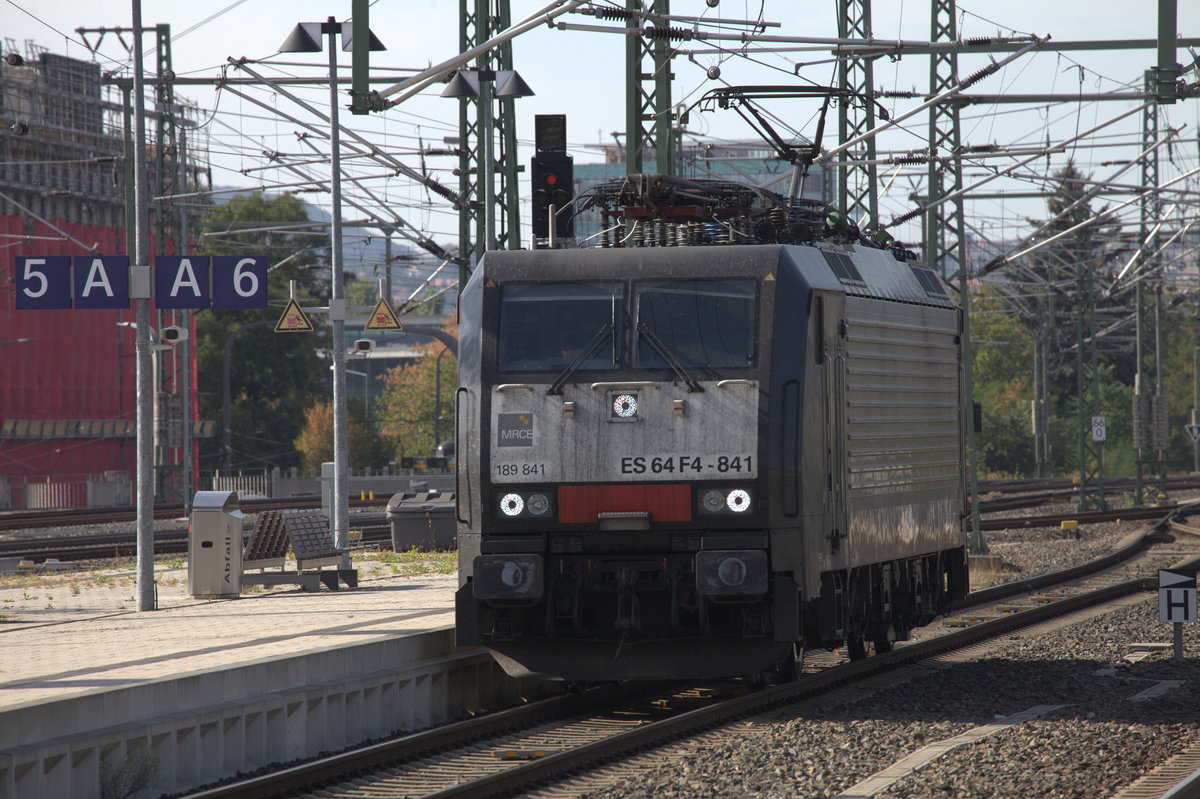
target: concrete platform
<point>94,698</point>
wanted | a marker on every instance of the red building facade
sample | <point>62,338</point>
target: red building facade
<point>67,377</point>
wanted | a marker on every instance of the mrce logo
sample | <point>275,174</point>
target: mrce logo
<point>514,430</point>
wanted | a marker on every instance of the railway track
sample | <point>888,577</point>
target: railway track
<point>542,743</point>
<point>99,546</point>
<point>1135,513</point>
<point>31,520</point>
<point>1032,492</point>
<point>376,531</point>
<point>1067,484</point>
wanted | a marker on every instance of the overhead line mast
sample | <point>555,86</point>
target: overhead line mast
<point>859,182</point>
<point>945,232</point>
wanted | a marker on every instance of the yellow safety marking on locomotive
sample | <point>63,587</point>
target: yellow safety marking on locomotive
<point>882,780</point>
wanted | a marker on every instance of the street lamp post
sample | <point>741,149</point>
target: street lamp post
<point>478,83</point>
<point>366,390</point>
<point>437,402</point>
<point>303,40</point>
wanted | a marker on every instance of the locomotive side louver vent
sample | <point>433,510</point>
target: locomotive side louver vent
<point>928,281</point>
<point>843,266</point>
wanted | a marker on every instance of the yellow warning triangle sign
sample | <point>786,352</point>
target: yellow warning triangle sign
<point>293,320</point>
<point>383,317</point>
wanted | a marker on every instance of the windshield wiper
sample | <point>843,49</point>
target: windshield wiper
<point>669,357</point>
<point>589,349</point>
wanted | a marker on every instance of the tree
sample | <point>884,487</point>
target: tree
<point>361,293</point>
<point>274,377</point>
<point>1179,354</point>
<point>1002,371</point>
<point>412,406</point>
<point>366,449</point>
<point>1041,296</point>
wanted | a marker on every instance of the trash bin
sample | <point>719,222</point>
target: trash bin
<point>424,520</point>
<point>215,545</point>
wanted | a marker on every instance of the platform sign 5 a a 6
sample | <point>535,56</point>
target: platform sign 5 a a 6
<point>43,282</point>
<point>47,282</point>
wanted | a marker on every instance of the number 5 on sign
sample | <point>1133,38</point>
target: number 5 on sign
<point>43,282</point>
<point>1099,431</point>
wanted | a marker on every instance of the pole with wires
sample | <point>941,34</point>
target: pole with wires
<point>145,371</point>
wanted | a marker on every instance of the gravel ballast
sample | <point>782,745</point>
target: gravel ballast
<point>1101,738</point>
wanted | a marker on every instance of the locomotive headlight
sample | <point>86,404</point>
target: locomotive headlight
<point>512,505</point>
<point>625,406</point>
<point>538,504</point>
<point>511,574</point>
<point>731,573</point>
<point>725,500</point>
<point>507,577</point>
<point>713,501</point>
<point>738,500</point>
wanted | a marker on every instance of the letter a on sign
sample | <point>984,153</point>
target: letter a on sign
<point>293,320</point>
<point>181,282</point>
<point>101,281</point>
<point>383,317</point>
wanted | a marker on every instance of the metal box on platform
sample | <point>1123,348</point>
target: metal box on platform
<point>424,520</point>
<point>215,545</point>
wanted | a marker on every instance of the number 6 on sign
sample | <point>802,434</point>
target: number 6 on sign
<point>1099,431</point>
<point>239,282</point>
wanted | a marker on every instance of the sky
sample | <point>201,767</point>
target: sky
<point>581,74</point>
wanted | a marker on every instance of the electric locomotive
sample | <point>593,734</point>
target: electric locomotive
<point>734,431</point>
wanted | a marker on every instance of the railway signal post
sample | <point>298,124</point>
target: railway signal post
<point>1177,602</point>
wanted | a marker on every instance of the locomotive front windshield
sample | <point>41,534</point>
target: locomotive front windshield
<point>547,326</point>
<point>706,323</point>
<point>701,323</point>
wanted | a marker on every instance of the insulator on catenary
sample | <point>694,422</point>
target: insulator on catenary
<point>977,76</point>
<point>663,32</point>
<point>980,41</point>
<point>613,14</point>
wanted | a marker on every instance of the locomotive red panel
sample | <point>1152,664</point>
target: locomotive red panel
<point>665,503</point>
